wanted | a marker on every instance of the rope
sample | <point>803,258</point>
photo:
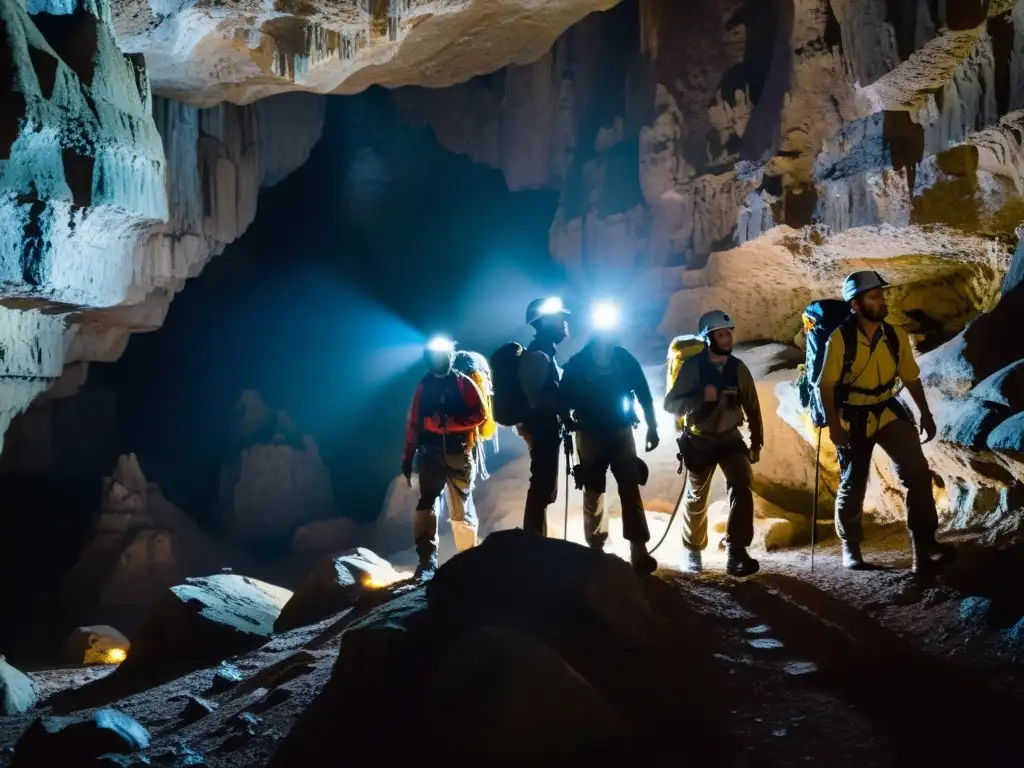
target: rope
<point>679,500</point>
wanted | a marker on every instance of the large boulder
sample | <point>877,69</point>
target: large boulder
<point>276,482</point>
<point>334,585</point>
<point>514,574</point>
<point>204,621</point>
<point>98,644</point>
<point>142,545</point>
<point>529,706</point>
<point>17,691</point>
<point>76,741</point>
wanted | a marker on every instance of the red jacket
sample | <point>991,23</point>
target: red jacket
<point>424,413</point>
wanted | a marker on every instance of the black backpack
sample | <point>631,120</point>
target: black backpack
<point>509,403</point>
<point>821,319</point>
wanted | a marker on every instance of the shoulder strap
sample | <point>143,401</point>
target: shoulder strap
<point>848,329</point>
<point>730,372</point>
<point>892,340</point>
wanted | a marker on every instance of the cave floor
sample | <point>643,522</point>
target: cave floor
<point>784,668</point>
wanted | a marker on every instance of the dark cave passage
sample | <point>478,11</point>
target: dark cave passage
<point>381,239</point>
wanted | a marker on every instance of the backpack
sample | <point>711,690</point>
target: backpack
<point>680,350</point>
<point>509,404</point>
<point>821,319</point>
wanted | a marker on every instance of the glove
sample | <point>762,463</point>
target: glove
<point>653,441</point>
<point>407,471</point>
<point>755,454</point>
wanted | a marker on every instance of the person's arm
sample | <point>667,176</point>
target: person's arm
<point>412,425</point>
<point>831,372</point>
<point>910,374</point>
<point>534,376</point>
<point>751,406</point>
<point>641,388</point>
<point>686,396</point>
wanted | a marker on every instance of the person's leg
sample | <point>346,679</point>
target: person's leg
<point>899,439</point>
<point>854,470</point>
<point>740,526</point>
<point>593,456</point>
<point>461,513</point>
<point>626,469</point>
<point>432,479</point>
<point>544,445</point>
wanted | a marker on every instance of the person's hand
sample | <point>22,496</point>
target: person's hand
<point>928,428</point>
<point>407,471</point>
<point>652,439</point>
<point>839,435</point>
<point>755,454</point>
<point>710,394</point>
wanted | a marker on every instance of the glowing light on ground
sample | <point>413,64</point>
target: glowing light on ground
<point>384,577</point>
<point>116,655</point>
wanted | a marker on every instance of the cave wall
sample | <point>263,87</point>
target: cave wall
<point>675,130</point>
<point>110,197</point>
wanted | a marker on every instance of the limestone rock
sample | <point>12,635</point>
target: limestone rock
<point>774,528</point>
<point>142,545</point>
<point>513,573</point>
<point>936,288</point>
<point>328,48</point>
<point>276,485</point>
<point>530,706</point>
<point>323,537</point>
<point>204,621</point>
<point>95,645</point>
<point>333,586</point>
<point>124,195</point>
<point>17,691</point>
<point>78,740</point>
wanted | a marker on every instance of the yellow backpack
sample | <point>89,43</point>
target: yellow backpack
<point>489,429</point>
<point>680,350</point>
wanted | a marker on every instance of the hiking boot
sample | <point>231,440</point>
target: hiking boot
<point>426,569</point>
<point>739,563</point>
<point>643,562</point>
<point>692,562</point>
<point>928,553</point>
<point>852,558</point>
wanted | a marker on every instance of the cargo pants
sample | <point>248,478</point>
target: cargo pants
<point>599,452</point>
<point>439,474</point>
<point>702,457</point>
<point>899,439</point>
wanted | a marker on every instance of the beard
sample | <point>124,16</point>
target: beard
<point>717,349</point>
<point>875,314</point>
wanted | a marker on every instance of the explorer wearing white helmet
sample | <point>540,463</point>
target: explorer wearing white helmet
<point>859,386</point>
<point>713,392</point>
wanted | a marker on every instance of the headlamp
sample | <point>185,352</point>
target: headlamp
<point>605,316</point>
<point>441,345</point>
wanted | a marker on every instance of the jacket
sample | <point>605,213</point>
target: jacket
<point>720,420</point>
<point>602,397</point>
<point>539,376</point>
<point>444,409</point>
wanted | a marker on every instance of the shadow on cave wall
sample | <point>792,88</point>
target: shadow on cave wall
<point>321,306</point>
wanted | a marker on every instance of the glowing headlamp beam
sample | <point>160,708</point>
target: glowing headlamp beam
<point>551,306</point>
<point>605,316</point>
<point>441,345</point>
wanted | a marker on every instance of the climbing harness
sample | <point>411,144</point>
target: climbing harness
<point>814,504</point>
<point>679,500</point>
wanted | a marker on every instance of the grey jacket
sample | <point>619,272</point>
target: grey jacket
<point>720,420</point>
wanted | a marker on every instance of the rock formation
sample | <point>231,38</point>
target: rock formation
<point>112,197</point>
<point>277,482</point>
<point>143,544</point>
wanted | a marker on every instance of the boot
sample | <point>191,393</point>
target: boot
<point>739,563</point>
<point>692,562</point>
<point>852,558</point>
<point>928,553</point>
<point>426,569</point>
<point>643,563</point>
